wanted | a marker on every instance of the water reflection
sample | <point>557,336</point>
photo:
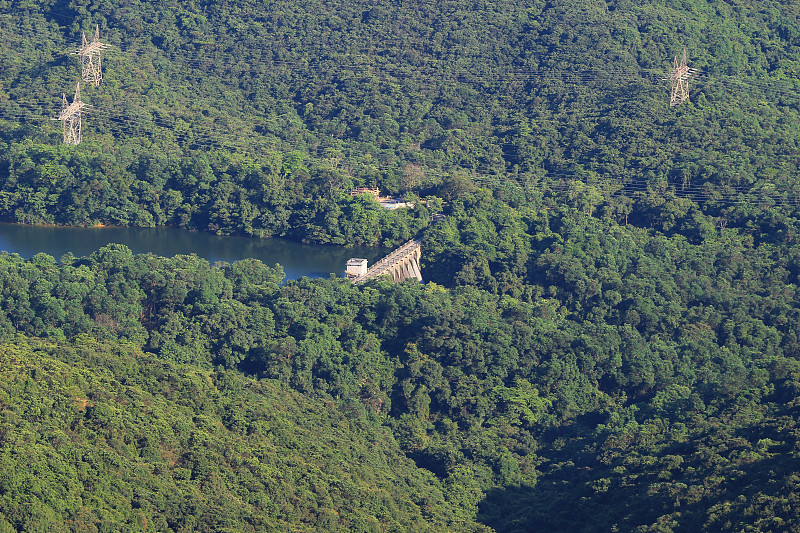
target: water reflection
<point>297,259</point>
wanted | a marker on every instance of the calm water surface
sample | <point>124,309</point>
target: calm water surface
<point>297,260</point>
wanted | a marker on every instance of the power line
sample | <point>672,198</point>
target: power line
<point>679,78</point>
<point>70,117</point>
<point>90,54</point>
<point>126,125</point>
<point>441,71</point>
<point>127,119</point>
<point>562,182</point>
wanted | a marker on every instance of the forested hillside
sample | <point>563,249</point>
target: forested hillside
<point>647,379</point>
<point>608,336</point>
<point>258,117</point>
<point>100,437</point>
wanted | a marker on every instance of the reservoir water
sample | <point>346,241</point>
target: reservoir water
<point>297,259</point>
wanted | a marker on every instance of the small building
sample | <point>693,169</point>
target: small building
<point>387,202</point>
<point>392,203</point>
<point>366,190</point>
<point>355,267</point>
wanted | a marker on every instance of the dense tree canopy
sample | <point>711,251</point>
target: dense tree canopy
<point>555,358</point>
<point>100,437</point>
<point>608,336</point>
<point>258,118</point>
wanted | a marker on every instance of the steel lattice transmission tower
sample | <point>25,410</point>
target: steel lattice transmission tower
<point>91,70</point>
<point>679,78</point>
<point>70,117</point>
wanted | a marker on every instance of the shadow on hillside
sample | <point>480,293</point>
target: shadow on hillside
<point>553,506</point>
<point>579,498</point>
<point>509,509</point>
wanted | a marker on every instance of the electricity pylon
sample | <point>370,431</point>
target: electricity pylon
<point>70,117</point>
<point>680,81</point>
<point>91,70</point>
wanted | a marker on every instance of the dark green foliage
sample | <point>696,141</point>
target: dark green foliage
<point>258,118</point>
<point>609,336</point>
<point>219,192</point>
<point>608,351</point>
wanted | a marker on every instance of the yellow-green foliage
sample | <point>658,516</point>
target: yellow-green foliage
<point>102,437</point>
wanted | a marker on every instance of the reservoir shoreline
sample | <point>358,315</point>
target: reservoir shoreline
<point>297,259</point>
